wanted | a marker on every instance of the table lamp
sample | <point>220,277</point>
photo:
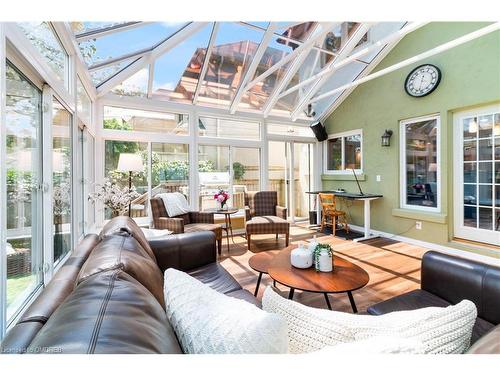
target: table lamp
<point>130,163</point>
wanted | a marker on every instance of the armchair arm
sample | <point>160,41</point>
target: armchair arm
<point>185,251</point>
<point>201,217</point>
<point>174,224</point>
<point>281,212</point>
<point>247,213</point>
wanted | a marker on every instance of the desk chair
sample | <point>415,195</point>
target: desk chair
<point>329,210</point>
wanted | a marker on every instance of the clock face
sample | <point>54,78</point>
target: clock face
<point>422,80</point>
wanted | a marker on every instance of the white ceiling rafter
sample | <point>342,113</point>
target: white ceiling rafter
<point>343,53</point>
<point>206,61</point>
<point>151,78</point>
<point>394,37</point>
<point>99,33</point>
<point>119,59</point>
<point>264,43</point>
<point>160,49</point>
<point>434,51</point>
<point>296,64</point>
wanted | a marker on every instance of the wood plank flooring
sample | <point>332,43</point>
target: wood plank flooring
<point>394,267</point>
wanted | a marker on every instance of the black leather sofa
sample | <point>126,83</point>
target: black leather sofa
<point>108,296</point>
<point>447,280</point>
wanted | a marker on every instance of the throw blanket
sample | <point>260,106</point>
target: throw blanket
<point>175,203</point>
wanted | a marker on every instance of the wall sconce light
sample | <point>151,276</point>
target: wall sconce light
<point>386,138</point>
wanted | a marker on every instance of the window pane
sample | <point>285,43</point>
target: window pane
<point>334,154</point>
<point>485,172</point>
<point>145,121</point>
<point>470,195</point>
<point>246,174</point>
<point>213,173</point>
<point>421,163</point>
<point>89,178</point>
<point>485,218</point>
<point>470,172</point>
<point>352,146</point>
<point>61,179</point>
<point>470,150</point>
<point>485,195</point>
<point>83,103</point>
<point>136,85</point>
<point>222,128</point>
<point>24,251</point>
<point>290,130</point>
<point>48,45</point>
<point>113,149</point>
<point>486,149</point>
<point>485,126</point>
<point>170,168</point>
<point>470,128</point>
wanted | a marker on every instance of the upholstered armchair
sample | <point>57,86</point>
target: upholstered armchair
<point>193,221</point>
<point>264,216</point>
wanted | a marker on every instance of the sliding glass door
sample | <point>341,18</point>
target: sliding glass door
<point>23,162</point>
<point>290,166</point>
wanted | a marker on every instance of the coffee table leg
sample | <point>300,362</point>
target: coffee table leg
<point>290,295</point>
<point>258,284</point>
<point>327,301</point>
<point>353,305</point>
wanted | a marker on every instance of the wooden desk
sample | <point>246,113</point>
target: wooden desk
<point>366,198</point>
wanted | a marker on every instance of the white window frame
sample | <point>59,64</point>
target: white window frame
<point>402,163</point>
<point>459,230</point>
<point>342,135</point>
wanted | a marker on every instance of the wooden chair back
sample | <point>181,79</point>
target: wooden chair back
<point>328,202</point>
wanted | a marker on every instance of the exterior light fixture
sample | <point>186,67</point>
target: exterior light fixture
<point>386,138</point>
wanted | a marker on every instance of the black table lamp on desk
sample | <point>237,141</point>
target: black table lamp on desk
<point>356,178</point>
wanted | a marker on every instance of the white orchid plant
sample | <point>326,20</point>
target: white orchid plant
<point>113,196</point>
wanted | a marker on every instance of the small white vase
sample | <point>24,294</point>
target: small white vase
<point>325,262</point>
<point>301,257</point>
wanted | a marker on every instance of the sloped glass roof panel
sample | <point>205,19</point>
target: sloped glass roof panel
<point>378,32</point>
<point>101,75</point>
<point>234,49</point>
<point>136,85</point>
<point>128,41</point>
<point>176,74</point>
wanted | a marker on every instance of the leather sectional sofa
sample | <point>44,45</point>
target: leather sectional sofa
<point>447,280</point>
<point>108,297</point>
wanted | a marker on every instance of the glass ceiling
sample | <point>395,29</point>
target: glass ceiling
<point>212,64</point>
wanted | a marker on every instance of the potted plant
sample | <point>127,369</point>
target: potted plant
<point>323,258</point>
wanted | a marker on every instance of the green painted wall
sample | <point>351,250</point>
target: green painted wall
<point>470,77</point>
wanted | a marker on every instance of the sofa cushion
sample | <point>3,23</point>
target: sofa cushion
<point>488,344</point>
<point>208,322</point>
<point>417,299</point>
<point>441,330</point>
<point>124,252</point>
<point>128,225</point>
<point>199,227</point>
<point>216,277</point>
<point>109,312</point>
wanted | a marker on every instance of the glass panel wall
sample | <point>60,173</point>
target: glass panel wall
<point>222,128</point>
<point>83,103</point>
<point>23,136</point>
<point>213,174</point>
<point>61,179</point>
<point>303,178</point>
<point>169,168</point>
<point>139,180</point>
<point>88,178</point>
<point>246,173</point>
<point>127,119</point>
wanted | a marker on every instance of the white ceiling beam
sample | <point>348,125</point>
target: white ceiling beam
<point>162,48</point>
<point>344,52</point>
<point>99,33</point>
<point>284,61</point>
<point>254,64</point>
<point>119,59</point>
<point>206,61</point>
<point>295,66</point>
<point>396,36</point>
<point>434,51</point>
<point>151,79</point>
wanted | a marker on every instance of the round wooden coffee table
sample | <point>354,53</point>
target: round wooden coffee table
<point>345,278</point>
<point>260,262</point>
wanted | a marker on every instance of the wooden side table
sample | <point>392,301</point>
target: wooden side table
<point>260,262</point>
<point>227,226</point>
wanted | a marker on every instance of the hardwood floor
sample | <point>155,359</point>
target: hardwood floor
<point>394,267</point>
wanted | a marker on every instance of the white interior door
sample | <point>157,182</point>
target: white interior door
<point>477,175</point>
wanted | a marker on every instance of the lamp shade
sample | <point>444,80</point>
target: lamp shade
<point>130,163</point>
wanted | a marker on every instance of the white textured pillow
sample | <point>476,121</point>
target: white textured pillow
<point>209,322</point>
<point>440,330</point>
<point>175,203</point>
<point>376,345</point>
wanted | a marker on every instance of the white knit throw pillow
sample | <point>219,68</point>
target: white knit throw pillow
<point>208,322</point>
<point>376,345</point>
<point>440,330</point>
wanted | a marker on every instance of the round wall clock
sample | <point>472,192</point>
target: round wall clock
<point>422,80</point>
